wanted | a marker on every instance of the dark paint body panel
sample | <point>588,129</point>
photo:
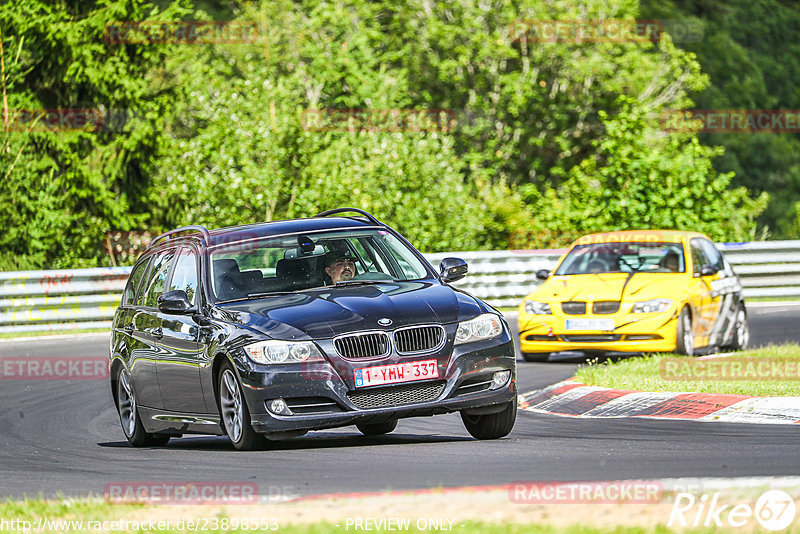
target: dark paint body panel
<point>172,358</point>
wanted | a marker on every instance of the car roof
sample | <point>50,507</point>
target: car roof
<point>237,234</point>
<point>653,236</point>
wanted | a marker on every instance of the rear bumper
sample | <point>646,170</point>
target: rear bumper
<point>462,385</point>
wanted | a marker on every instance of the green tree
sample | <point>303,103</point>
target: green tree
<point>65,187</point>
<point>640,178</point>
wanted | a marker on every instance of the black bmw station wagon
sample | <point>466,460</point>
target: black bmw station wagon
<point>267,331</point>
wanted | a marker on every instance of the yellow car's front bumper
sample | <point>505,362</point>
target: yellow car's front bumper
<point>640,332</point>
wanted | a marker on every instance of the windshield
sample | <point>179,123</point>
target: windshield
<point>624,258</point>
<point>304,261</point>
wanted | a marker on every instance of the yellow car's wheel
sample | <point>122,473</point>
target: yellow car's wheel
<point>684,340</point>
<point>741,331</point>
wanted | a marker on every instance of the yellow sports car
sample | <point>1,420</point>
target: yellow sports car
<point>635,291</point>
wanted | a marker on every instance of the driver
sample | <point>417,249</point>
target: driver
<point>340,266</point>
<point>671,261</point>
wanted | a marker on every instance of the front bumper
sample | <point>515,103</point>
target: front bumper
<point>650,332</point>
<point>320,398</point>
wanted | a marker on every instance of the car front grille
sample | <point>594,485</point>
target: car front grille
<point>589,338</point>
<point>573,307</point>
<point>368,345</point>
<point>397,395</point>
<point>418,339</point>
<point>605,307</point>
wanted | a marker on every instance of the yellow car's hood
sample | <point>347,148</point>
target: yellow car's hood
<point>606,286</point>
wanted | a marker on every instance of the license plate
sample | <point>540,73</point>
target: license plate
<point>590,324</point>
<point>395,373</point>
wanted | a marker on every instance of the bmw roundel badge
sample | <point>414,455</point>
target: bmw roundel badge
<point>384,321</point>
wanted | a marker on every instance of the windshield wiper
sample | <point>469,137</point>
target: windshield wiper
<point>360,282</point>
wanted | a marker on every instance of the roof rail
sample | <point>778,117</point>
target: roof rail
<point>366,214</point>
<point>202,229</point>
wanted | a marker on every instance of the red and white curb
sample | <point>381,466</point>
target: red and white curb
<point>570,398</point>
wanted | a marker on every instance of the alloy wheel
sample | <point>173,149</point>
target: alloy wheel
<point>126,400</point>
<point>231,404</point>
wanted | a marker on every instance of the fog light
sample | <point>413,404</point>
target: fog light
<point>500,379</point>
<point>278,407</point>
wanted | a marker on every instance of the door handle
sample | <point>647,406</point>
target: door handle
<point>128,329</point>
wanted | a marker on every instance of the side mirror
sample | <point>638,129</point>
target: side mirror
<point>708,270</point>
<point>175,302</point>
<point>542,274</point>
<point>452,269</point>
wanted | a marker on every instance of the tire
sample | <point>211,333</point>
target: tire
<point>535,356</point>
<point>129,415</point>
<point>376,429</point>
<point>741,331</point>
<point>493,425</point>
<point>234,414</point>
<point>684,337</point>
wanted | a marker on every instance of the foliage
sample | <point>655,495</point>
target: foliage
<point>65,187</point>
<point>541,142</point>
<point>639,178</point>
<point>749,49</point>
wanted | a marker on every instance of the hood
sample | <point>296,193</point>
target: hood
<point>328,312</point>
<point>604,286</point>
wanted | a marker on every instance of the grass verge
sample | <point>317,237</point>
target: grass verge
<point>96,516</point>
<point>765,372</point>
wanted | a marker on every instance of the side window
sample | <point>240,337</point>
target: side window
<point>699,259</point>
<point>129,295</point>
<point>714,256</point>
<point>156,278</point>
<point>185,274</point>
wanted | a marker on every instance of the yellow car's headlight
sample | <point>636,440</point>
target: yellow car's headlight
<point>535,307</point>
<point>651,306</point>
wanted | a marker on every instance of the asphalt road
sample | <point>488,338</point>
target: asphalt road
<point>63,437</point>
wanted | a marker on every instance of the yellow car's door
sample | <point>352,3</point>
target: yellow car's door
<point>703,299</point>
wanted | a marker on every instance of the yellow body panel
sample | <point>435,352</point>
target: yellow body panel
<point>620,331</point>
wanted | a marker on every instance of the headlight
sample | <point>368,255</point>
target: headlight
<point>484,326</point>
<point>651,306</point>
<point>275,351</point>
<point>537,308</point>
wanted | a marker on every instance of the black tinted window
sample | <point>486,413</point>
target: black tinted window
<point>185,275</point>
<point>129,296</point>
<point>156,279</point>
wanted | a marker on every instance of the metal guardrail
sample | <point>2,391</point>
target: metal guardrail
<point>74,299</point>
